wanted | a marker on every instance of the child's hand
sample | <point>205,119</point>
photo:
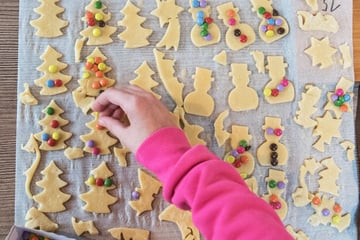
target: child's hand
<point>145,113</point>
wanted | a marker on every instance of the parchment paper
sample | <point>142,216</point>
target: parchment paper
<point>125,61</point>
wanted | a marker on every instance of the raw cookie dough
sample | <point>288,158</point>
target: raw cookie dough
<point>276,185</point>
<point>144,79</point>
<point>73,153</point>
<point>318,22</point>
<point>167,12</point>
<point>259,60</point>
<point>205,32</point>
<point>329,177</point>
<point>306,106</point>
<point>31,147</point>
<point>313,4</point>
<point>221,135</point>
<point>346,60</point>
<point>97,35</point>
<point>97,198</point>
<point>52,137</point>
<point>297,235</point>
<point>149,186</point>
<point>279,89</point>
<point>129,233</point>
<point>199,102</point>
<point>49,25</point>
<point>272,152</point>
<point>238,35</point>
<point>82,101</point>
<point>134,34</point>
<point>51,199</point>
<point>327,128</point>
<point>183,219</point>
<point>221,58</point>
<point>53,81</point>
<point>26,96</point>
<point>81,227</point>
<point>349,147</point>
<point>120,154</point>
<point>38,220</point>
<point>98,141</point>
<point>242,97</point>
<point>321,52</point>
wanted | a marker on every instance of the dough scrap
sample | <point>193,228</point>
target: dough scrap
<point>98,199</point>
<point>149,186</point>
<point>327,128</point>
<point>199,102</point>
<point>263,152</point>
<point>346,60</point>
<point>167,12</point>
<point>82,101</point>
<point>48,11</point>
<point>313,4</point>
<point>79,44</point>
<point>253,185</point>
<point>38,220</point>
<point>321,52</point>
<point>26,96</point>
<point>242,97</point>
<point>310,98</point>
<point>349,147</point>
<point>106,31</point>
<point>221,58</point>
<point>318,22</point>
<point>31,147</point>
<point>129,233</point>
<point>81,227</point>
<point>183,219</point>
<point>50,131</point>
<point>259,60</point>
<point>277,176</point>
<point>50,60</point>
<point>120,154</point>
<point>214,34</point>
<point>221,135</point>
<point>100,137</point>
<point>277,71</point>
<point>232,41</point>
<point>144,79</point>
<point>329,176</point>
<point>297,235</point>
<point>51,199</point>
<point>134,35</point>
<point>73,153</point>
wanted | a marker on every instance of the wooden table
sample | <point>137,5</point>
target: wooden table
<point>8,100</point>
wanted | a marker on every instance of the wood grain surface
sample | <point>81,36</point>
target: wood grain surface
<point>356,39</point>
<point>8,101</point>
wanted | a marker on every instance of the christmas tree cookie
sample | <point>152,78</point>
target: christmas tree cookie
<point>272,152</point>
<point>167,12</point>
<point>205,32</point>
<point>53,81</point>
<point>134,35</point>
<point>98,140</point>
<point>98,199</point>
<point>52,137</point>
<point>97,31</point>
<point>183,219</point>
<point>238,35</point>
<point>144,79</point>
<point>51,199</point>
<point>49,25</point>
<point>272,26</point>
<point>144,196</point>
<point>199,102</point>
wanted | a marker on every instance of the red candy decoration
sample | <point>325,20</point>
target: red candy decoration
<point>99,182</point>
<point>51,142</point>
<point>267,15</point>
<point>91,22</point>
<point>237,163</point>
<point>208,20</point>
<point>274,92</point>
<point>54,123</point>
<point>96,151</point>
<point>243,38</point>
<point>58,82</point>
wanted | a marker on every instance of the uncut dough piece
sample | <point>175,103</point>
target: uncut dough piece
<point>149,187</point>
<point>183,219</point>
<point>80,227</point>
<point>318,22</point>
<point>129,233</point>
<point>73,153</point>
<point>38,220</point>
<point>26,96</point>
<point>221,58</point>
<point>321,52</point>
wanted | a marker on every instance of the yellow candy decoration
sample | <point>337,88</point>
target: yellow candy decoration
<point>52,68</point>
<point>56,136</point>
<point>91,180</point>
<point>102,66</point>
<point>96,32</point>
<point>267,92</point>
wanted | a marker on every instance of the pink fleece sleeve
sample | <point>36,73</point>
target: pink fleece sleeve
<point>195,179</point>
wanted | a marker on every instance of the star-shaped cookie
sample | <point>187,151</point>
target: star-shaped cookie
<point>321,52</point>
